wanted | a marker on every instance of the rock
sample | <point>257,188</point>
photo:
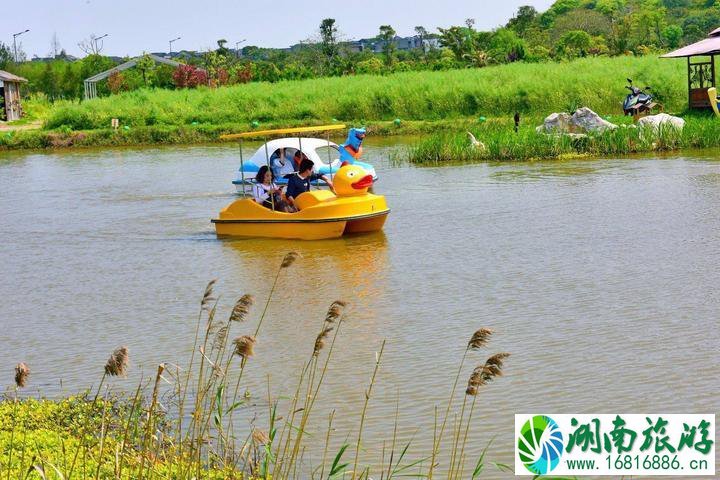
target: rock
<point>661,120</point>
<point>583,121</point>
<point>556,123</point>
<point>590,122</point>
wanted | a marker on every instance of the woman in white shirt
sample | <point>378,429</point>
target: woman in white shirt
<point>267,193</point>
<point>282,163</point>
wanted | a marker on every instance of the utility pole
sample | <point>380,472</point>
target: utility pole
<point>237,47</point>
<point>95,40</point>
<point>15,35</point>
<point>171,42</point>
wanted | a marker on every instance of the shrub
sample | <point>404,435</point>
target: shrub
<point>187,76</point>
<point>371,66</point>
<point>75,117</point>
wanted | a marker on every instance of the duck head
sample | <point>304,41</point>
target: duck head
<point>351,180</point>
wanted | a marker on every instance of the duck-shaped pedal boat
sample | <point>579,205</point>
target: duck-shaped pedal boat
<point>323,214</point>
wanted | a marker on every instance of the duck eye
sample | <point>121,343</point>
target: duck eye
<point>351,174</point>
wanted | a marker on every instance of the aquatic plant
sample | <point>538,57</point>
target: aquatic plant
<point>22,372</point>
<point>503,144</point>
<point>185,427</point>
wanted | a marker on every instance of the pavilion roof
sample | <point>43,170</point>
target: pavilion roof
<point>706,46</point>
<point>9,77</point>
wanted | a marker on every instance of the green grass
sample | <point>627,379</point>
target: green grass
<point>499,91</point>
<point>443,105</point>
<point>503,144</point>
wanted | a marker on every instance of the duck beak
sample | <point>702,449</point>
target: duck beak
<point>364,182</point>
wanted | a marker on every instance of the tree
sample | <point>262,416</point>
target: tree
<point>673,35</point>
<point>146,66</point>
<point>91,45</point>
<point>49,82</point>
<point>6,56</point>
<point>648,23</point>
<point>523,19</point>
<point>216,66</point>
<point>117,83</point>
<point>187,76</point>
<point>610,7</point>
<point>387,35</point>
<point>575,43</point>
<point>506,46</point>
<point>460,41</point>
<point>328,36</point>
<point>562,6</point>
<point>422,34</point>
<point>222,49</point>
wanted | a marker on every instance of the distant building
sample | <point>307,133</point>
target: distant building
<point>376,45</point>
<point>66,57</point>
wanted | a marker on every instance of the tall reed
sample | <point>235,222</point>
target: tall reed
<point>110,436</point>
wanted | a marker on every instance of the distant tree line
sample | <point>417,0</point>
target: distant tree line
<point>567,30</point>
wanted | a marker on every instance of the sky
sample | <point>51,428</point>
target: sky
<point>136,26</point>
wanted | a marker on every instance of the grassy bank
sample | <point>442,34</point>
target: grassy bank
<point>498,91</point>
<point>191,134</point>
<point>443,105</point>
<point>502,143</point>
<point>183,423</point>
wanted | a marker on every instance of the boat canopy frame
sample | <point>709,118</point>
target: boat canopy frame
<point>279,131</point>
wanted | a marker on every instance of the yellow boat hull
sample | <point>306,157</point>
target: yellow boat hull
<point>322,216</point>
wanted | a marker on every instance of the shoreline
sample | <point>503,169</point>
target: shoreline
<point>446,142</point>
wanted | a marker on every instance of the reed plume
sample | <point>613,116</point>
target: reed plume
<point>259,437</point>
<point>336,309</point>
<point>484,374</point>
<point>289,259</point>
<point>117,364</point>
<point>320,340</point>
<point>208,295</point>
<point>242,308</point>
<point>244,346</point>
<point>22,372</point>
<point>220,337</point>
<point>480,338</point>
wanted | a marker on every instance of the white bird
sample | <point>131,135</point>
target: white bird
<point>475,142</point>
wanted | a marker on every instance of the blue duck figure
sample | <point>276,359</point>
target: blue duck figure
<point>352,148</point>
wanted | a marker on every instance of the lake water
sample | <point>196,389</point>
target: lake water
<point>600,277</point>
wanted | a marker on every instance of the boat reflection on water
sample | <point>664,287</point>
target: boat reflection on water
<point>354,269</point>
<point>351,267</point>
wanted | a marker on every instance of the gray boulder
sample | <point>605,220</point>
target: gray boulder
<point>583,121</point>
<point>590,122</point>
<point>556,123</point>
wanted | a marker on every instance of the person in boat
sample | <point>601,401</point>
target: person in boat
<point>298,159</point>
<point>282,163</point>
<point>300,181</point>
<point>267,193</point>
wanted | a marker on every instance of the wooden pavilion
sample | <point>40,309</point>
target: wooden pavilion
<point>10,106</point>
<point>700,68</point>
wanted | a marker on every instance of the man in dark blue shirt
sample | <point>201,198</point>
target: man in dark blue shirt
<point>300,181</point>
